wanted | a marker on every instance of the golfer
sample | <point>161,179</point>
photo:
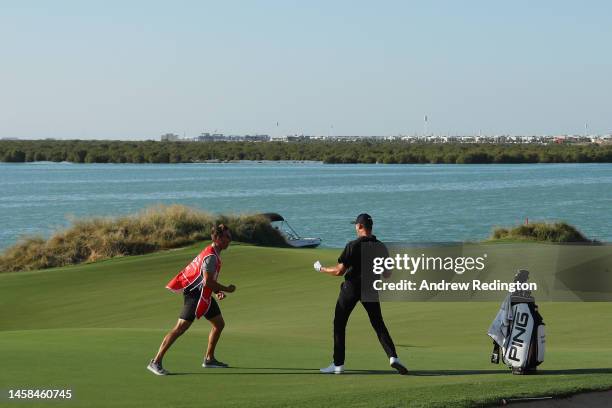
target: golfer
<point>198,281</point>
<point>349,266</point>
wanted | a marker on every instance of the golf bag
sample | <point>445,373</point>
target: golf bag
<point>518,332</point>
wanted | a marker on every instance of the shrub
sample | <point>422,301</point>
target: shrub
<point>153,229</point>
<point>541,231</point>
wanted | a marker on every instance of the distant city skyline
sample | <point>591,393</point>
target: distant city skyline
<point>136,70</point>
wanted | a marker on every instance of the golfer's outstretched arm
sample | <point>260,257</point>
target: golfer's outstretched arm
<point>337,270</point>
<point>340,267</point>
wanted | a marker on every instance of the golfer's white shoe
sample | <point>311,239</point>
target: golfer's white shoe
<point>333,369</point>
<point>397,364</point>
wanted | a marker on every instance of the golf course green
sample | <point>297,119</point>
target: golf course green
<point>92,328</point>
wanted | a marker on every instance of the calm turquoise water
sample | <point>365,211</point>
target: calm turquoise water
<point>407,202</point>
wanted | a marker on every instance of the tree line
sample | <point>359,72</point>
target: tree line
<point>367,151</point>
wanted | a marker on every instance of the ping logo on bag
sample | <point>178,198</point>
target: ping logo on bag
<point>518,341</point>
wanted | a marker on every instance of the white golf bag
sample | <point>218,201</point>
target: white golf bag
<point>518,334</point>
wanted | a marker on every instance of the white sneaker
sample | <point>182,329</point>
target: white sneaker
<point>213,363</point>
<point>157,369</point>
<point>397,364</point>
<point>333,369</point>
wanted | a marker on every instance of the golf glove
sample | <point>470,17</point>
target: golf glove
<point>317,266</point>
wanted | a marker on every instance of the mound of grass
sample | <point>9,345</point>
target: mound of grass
<point>541,232</point>
<point>153,229</point>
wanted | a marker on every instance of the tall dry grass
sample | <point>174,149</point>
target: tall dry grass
<point>153,229</point>
<point>541,231</point>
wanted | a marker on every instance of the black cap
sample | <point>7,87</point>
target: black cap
<point>364,219</point>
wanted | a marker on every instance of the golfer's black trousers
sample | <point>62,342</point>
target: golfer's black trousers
<point>350,294</point>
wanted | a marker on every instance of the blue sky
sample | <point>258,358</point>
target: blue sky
<point>137,69</point>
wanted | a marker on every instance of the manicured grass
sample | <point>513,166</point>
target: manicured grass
<point>94,327</point>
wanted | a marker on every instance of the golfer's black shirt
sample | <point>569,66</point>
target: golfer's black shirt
<point>359,254</point>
